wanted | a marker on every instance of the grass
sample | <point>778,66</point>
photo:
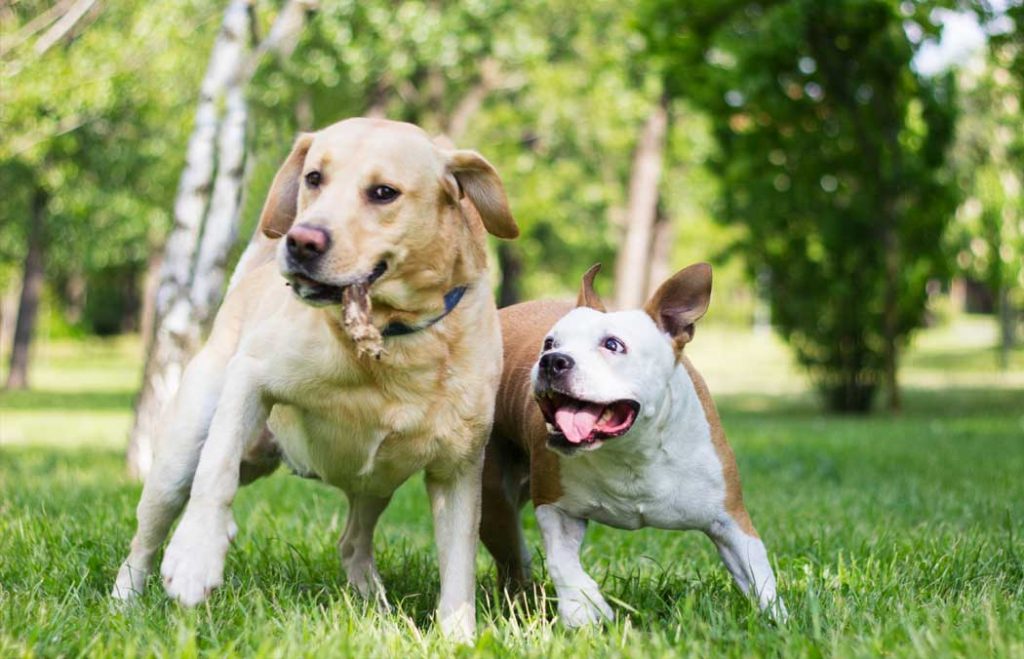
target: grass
<point>895,534</point>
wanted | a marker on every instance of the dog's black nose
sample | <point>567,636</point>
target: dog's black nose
<point>555,364</point>
<point>305,243</point>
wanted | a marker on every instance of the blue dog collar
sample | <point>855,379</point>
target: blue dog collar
<point>451,300</point>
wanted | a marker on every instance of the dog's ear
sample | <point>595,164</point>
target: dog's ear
<point>283,199</point>
<point>588,296</point>
<point>477,179</point>
<point>680,302</point>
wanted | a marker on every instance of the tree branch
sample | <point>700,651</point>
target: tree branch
<point>61,28</point>
<point>40,22</point>
<point>284,34</point>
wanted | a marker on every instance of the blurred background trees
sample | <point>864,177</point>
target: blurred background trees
<point>796,144</point>
<point>832,159</point>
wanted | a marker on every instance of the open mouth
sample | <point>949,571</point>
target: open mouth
<point>316,291</point>
<point>582,423</point>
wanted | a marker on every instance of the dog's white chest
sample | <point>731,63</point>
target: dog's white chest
<point>676,492</point>
<point>669,476</point>
<point>352,434</point>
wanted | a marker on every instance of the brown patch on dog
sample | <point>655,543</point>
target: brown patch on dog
<point>517,416</point>
<point>733,493</point>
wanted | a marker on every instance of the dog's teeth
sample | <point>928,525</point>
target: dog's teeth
<point>606,415</point>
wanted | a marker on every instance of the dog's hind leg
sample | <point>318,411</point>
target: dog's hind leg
<point>745,557</point>
<point>166,488</point>
<point>356,544</point>
<point>501,529</point>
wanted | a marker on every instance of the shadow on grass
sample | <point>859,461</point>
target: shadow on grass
<point>917,403</point>
<point>34,400</point>
<point>961,360</point>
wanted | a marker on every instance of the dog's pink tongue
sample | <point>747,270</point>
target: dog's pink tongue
<point>577,423</point>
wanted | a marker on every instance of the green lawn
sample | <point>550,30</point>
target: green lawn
<point>896,535</point>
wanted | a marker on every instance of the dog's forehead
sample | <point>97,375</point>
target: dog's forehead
<point>376,143</point>
<point>587,323</point>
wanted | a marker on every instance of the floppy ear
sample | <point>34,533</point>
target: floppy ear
<point>282,201</point>
<point>588,297</point>
<point>478,180</point>
<point>680,302</point>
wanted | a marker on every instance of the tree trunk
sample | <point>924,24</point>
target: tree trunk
<point>222,219</point>
<point>206,225</point>
<point>75,292</point>
<point>147,316</point>
<point>631,265</point>
<point>176,331</point>
<point>662,241</point>
<point>511,265</point>
<point>1007,326</point>
<point>890,320</point>
<point>31,291</point>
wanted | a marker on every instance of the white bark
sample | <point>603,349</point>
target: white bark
<point>61,28</point>
<point>206,213</point>
<point>222,220</point>
<point>177,328</point>
<point>631,265</point>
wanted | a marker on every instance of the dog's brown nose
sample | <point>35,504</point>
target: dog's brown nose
<point>305,243</point>
<point>555,364</point>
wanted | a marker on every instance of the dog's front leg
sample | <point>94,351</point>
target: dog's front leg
<point>193,564</point>
<point>579,599</point>
<point>185,427</point>
<point>455,503</point>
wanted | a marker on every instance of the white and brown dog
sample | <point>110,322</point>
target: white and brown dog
<point>612,424</point>
<point>364,203</point>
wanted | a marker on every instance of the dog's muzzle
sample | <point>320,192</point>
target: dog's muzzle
<point>577,423</point>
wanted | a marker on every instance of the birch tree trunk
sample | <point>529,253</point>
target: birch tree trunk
<point>206,214</point>
<point>222,219</point>
<point>631,265</point>
<point>31,291</point>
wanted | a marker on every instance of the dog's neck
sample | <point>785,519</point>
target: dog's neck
<point>399,328</point>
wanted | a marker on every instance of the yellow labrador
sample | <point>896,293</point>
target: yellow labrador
<point>366,203</point>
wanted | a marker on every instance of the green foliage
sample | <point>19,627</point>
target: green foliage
<point>565,102</point>
<point>830,149</point>
<point>98,122</point>
<point>988,234</point>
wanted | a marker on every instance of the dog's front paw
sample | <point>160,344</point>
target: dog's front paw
<point>460,625</point>
<point>130,582</point>
<point>194,561</point>
<point>776,610</point>
<point>583,607</point>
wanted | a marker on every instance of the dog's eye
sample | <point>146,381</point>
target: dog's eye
<point>612,344</point>
<point>549,343</point>
<point>382,194</point>
<point>313,179</point>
